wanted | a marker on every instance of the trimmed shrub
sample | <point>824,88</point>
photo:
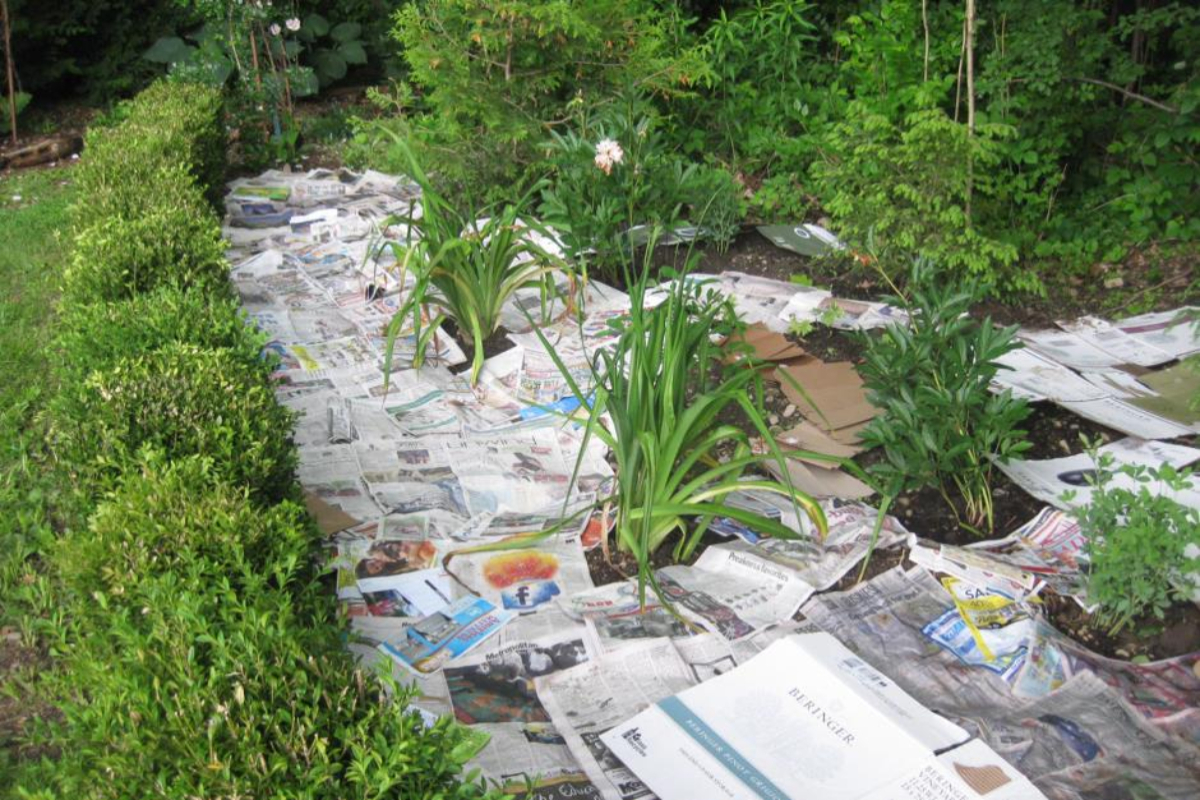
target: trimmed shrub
<point>116,179</point>
<point>174,244</point>
<point>170,516</point>
<point>171,136</point>
<point>187,401</point>
<point>194,114</point>
<point>211,664</point>
<point>94,336</point>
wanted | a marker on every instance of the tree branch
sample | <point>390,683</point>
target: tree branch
<point>1131,95</point>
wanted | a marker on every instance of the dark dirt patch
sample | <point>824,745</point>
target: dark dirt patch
<point>1177,634</point>
<point>620,566</point>
<point>1052,431</point>
<point>493,345</point>
<point>880,562</point>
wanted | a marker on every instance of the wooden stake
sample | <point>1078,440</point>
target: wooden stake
<point>958,82</point>
<point>970,46</point>
<point>11,70</point>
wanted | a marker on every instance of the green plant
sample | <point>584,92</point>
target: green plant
<point>780,199</point>
<point>465,269</point>
<point>939,425</point>
<point>663,389</point>
<point>331,59</point>
<point>911,188</point>
<point>608,174</point>
<point>193,115</point>
<point>254,44</point>
<point>176,243</point>
<point>94,336</point>
<point>494,79</point>
<point>1143,547</point>
<point>206,659</point>
<point>761,59</point>
<point>715,205</point>
<point>173,128</point>
<point>187,401</point>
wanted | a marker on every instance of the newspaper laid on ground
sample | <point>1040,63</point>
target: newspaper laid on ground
<point>587,701</point>
<point>495,691</point>
<point>1068,482</point>
<point>899,619</point>
<point>1098,370</point>
<point>806,718</point>
<point>420,478</point>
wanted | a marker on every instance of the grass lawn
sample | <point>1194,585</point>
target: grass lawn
<point>33,221</point>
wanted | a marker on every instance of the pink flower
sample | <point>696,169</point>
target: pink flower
<point>608,153</point>
<point>275,29</point>
<point>293,24</point>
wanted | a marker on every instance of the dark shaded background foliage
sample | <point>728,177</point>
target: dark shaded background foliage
<point>91,50</point>
<point>1084,142</point>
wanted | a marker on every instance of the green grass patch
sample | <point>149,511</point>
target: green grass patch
<point>33,220</point>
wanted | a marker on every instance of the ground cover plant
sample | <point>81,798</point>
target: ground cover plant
<point>1005,149</point>
<point>98,335</point>
<point>941,425</point>
<point>187,401</point>
<point>29,252</point>
<point>608,174</point>
<point>1142,545</point>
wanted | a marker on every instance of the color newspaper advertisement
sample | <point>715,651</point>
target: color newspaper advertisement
<point>430,642</point>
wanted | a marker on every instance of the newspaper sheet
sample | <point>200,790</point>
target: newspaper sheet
<point>1083,741</point>
<point>1046,550</point>
<point>1127,418</point>
<point>1068,349</point>
<point>733,594</point>
<point>1037,377</point>
<point>527,580</point>
<point>1105,336</point>
<point>888,620</point>
<point>806,718</point>
<point>494,690</point>
<point>709,655</point>
<point>820,563</point>
<point>1066,482</point>
<point>1173,332</point>
<point>586,701</point>
<point>433,641</point>
<point>616,617</point>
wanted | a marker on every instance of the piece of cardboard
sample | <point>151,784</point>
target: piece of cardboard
<point>767,345</point>
<point>819,481</point>
<point>330,519</point>
<point>830,395</point>
<point>807,436</point>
